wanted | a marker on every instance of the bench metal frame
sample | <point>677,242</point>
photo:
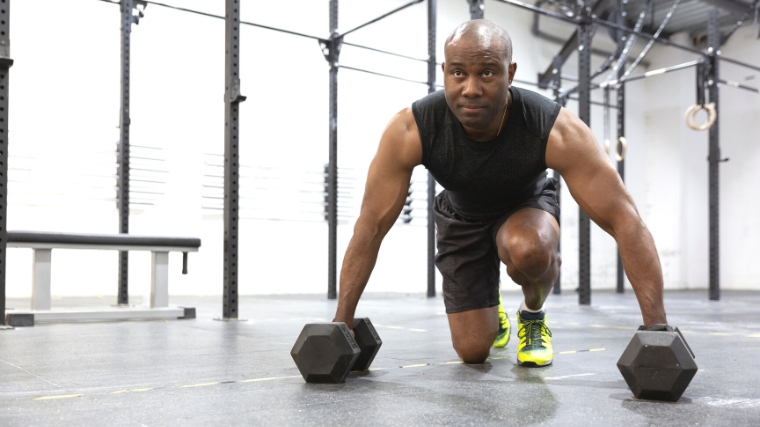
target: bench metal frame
<point>43,245</point>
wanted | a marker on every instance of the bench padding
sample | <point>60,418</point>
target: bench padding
<point>43,237</point>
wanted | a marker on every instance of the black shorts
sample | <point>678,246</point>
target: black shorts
<point>467,257</point>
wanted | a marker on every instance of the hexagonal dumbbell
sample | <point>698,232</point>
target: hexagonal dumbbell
<point>658,363</point>
<point>369,343</point>
<point>326,352</point>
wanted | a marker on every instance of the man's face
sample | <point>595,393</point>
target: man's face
<point>477,77</point>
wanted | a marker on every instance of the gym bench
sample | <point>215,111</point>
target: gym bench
<point>43,244</point>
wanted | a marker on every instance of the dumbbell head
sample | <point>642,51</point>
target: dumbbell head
<point>369,342</point>
<point>658,365</point>
<point>325,352</point>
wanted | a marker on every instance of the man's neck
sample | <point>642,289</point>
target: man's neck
<point>485,135</point>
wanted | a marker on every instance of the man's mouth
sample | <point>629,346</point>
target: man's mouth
<point>471,108</point>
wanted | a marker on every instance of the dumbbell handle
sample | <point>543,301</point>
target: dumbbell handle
<point>662,327</point>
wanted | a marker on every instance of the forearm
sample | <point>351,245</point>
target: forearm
<point>642,265</point>
<point>358,263</point>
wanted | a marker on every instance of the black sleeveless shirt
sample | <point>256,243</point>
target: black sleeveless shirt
<point>485,180</point>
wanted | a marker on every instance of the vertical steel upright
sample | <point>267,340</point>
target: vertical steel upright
<point>557,81</point>
<point>621,38</point>
<point>124,123</point>
<point>621,168</point>
<point>714,156</point>
<point>432,7</point>
<point>332,174</point>
<point>584,113</point>
<point>477,9</point>
<point>5,64</point>
<point>232,100</point>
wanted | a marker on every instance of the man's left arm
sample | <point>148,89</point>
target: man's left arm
<point>572,150</point>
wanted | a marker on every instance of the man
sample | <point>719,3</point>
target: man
<point>489,145</point>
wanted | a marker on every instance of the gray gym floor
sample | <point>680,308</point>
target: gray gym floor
<point>206,372</point>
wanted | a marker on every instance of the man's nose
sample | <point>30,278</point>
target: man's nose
<point>472,87</point>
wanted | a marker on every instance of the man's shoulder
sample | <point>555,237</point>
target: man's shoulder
<point>533,99</point>
<point>432,101</point>
<point>430,111</point>
<point>536,112</point>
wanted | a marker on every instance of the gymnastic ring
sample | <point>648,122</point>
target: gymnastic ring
<point>691,113</point>
<point>607,146</point>
<point>621,156</point>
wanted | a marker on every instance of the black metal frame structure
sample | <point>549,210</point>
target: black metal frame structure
<point>124,122</point>
<point>5,64</point>
<point>714,158</point>
<point>620,285</point>
<point>585,33</point>
<point>331,48</point>
<point>432,13</point>
<point>232,100</point>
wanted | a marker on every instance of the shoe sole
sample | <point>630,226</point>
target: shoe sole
<point>533,364</point>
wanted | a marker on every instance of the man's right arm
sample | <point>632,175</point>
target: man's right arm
<point>387,187</point>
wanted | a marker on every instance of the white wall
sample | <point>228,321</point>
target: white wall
<point>65,94</point>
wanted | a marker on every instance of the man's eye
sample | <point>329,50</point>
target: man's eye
<point>488,73</point>
<point>457,73</point>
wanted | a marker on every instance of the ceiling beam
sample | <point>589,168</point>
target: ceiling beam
<point>735,6</point>
<point>570,46</point>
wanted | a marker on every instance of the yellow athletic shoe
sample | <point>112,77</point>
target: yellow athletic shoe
<point>503,337</point>
<point>535,348</point>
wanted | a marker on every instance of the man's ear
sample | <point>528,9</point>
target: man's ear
<point>512,71</point>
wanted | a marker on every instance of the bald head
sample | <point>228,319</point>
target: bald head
<point>483,33</point>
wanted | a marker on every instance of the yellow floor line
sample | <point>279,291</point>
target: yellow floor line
<point>498,357</point>
<point>457,362</point>
<point>597,349</point>
<point>597,326</point>
<point>60,396</point>
<point>567,352</point>
<point>199,385</point>
<point>418,330</point>
<point>753,336</point>
<point>415,366</point>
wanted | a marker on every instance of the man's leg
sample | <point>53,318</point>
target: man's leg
<point>473,333</point>
<point>527,245</point>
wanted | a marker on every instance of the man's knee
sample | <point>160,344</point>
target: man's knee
<point>530,254</point>
<point>472,354</point>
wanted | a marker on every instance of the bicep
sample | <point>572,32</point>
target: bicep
<point>595,185</point>
<point>390,172</point>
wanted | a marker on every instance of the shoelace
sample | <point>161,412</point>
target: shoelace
<point>532,330</point>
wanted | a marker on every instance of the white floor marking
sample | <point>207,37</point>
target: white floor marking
<point>416,366</point>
